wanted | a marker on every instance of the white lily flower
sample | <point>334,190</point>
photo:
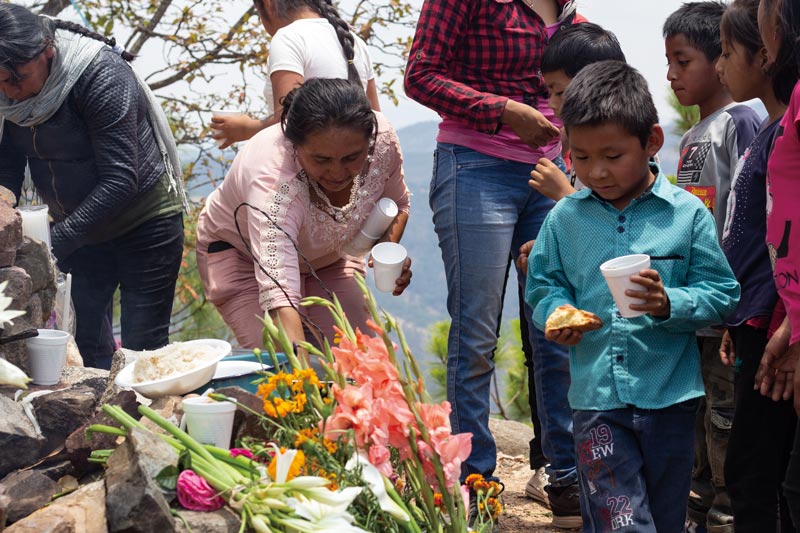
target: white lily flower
<point>7,315</point>
<point>283,462</point>
<point>376,483</point>
<point>315,516</point>
<point>11,375</point>
<point>308,482</point>
<point>341,498</point>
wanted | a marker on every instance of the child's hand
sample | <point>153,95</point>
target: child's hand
<point>656,299</point>
<point>726,351</point>
<point>565,336</point>
<point>548,180</point>
<point>522,258</point>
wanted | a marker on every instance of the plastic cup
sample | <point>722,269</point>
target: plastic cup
<point>36,222</point>
<point>47,354</point>
<point>387,264</point>
<point>208,421</point>
<point>380,218</point>
<point>618,272</point>
<point>222,113</point>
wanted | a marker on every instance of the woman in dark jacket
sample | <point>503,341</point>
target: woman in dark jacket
<point>102,157</point>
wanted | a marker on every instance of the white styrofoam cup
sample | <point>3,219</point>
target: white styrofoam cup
<point>617,273</point>
<point>208,421</point>
<point>387,264</point>
<point>47,354</point>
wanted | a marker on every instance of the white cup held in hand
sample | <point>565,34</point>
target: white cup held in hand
<point>618,272</point>
<point>387,264</point>
<point>208,421</point>
<point>222,113</point>
<point>47,354</point>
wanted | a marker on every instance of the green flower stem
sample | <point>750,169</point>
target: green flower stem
<point>184,437</point>
<point>411,524</point>
<point>102,428</point>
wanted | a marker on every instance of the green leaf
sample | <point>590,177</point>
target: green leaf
<point>167,479</point>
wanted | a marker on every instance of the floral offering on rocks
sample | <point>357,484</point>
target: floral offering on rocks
<point>362,449</point>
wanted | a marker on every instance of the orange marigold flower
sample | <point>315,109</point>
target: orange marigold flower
<point>437,499</point>
<point>298,463</point>
<point>472,479</point>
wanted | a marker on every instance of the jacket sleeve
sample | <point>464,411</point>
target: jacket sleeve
<point>12,165</point>
<point>107,97</point>
<point>711,292</point>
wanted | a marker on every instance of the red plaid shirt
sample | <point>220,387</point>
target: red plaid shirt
<point>469,56</point>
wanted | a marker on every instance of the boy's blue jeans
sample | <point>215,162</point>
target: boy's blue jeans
<point>483,209</point>
<point>635,467</point>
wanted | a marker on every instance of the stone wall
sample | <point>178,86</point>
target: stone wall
<point>28,267</point>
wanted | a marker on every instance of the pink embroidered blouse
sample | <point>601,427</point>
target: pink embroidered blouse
<point>265,175</point>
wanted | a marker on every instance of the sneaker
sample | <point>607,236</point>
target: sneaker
<point>535,487</point>
<point>565,505</point>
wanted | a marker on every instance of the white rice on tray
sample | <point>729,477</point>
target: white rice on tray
<point>171,360</point>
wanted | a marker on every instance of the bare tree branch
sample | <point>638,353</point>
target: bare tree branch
<point>142,34</point>
<point>54,7</point>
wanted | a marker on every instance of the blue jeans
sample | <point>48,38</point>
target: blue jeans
<point>483,209</point>
<point>635,467</point>
<point>144,264</point>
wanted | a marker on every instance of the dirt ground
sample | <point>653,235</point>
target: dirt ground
<point>521,515</point>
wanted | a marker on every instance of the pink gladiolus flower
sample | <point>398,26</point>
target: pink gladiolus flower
<point>195,494</point>
<point>380,457</point>
<point>235,452</point>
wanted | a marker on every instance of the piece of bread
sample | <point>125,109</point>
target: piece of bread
<point>567,316</point>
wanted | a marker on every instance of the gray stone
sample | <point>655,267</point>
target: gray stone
<point>78,447</point>
<point>55,467</point>
<point>112,390</point>
<point>169,407</point>
<point>224,520</point>
<point>74,357</point>
<point>10,234</point>
<point>63,411</point>
<point>18,434</point>
<point>15,354</point>
<point>29,491</point>
<point>5,502</point>
<point>7,196</point>
<point>134,500</point>
<point>19,287</point>
<point>33,312</point>
<point>83,511</point>
<point>82,376</point>
<point>48,298</point>
<point>512,438</point>
<point>35,259</point>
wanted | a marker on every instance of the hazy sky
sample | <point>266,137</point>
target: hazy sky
<point>637,25</point>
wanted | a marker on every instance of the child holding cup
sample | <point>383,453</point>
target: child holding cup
<point>635,381</point>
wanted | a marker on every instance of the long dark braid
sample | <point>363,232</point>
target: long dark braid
<point>80,30</point>
<point>326,10</point>
<point>344,34</point>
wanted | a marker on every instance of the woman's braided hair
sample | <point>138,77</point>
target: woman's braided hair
<point>80,30</point>
<point>326,10</point>
<point>24,35</point>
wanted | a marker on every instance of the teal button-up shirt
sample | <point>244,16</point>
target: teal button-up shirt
<point>647,362</point>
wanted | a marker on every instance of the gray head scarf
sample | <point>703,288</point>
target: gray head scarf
<point>73,53</point>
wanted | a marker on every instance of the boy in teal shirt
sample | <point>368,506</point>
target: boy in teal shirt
<point>635,382</point>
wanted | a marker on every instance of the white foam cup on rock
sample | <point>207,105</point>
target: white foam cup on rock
<point>387,264</point>
<point>47,354</point>
<point>618,272</point>
<point>209,421</point>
